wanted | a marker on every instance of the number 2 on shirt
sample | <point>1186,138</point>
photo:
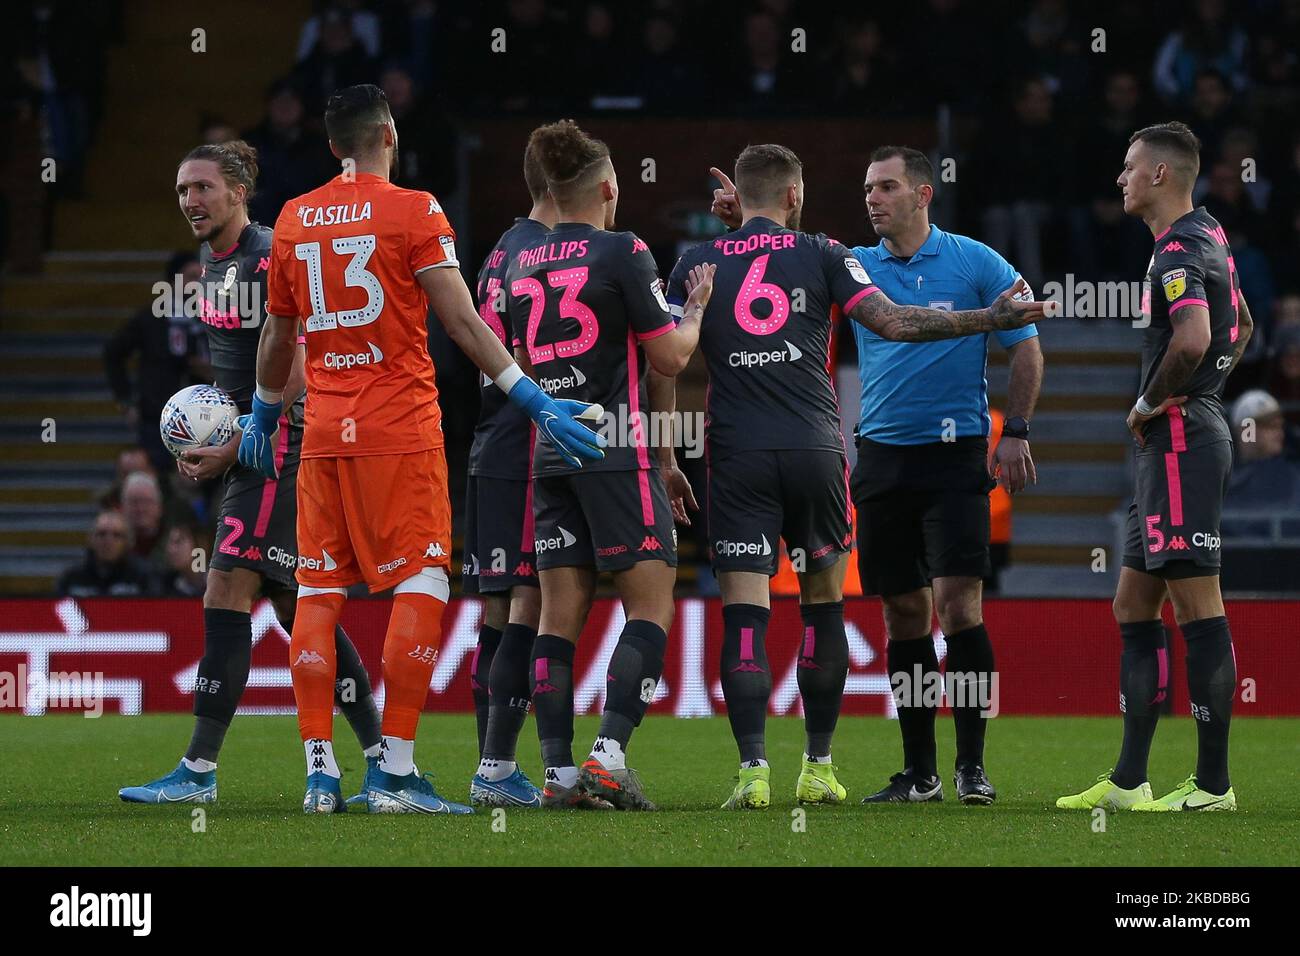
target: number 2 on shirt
<point>572,281</point>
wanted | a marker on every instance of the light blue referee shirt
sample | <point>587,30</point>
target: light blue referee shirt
<point>909,388</point>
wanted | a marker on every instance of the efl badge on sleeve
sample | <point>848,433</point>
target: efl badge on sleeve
<point>1175,283</point>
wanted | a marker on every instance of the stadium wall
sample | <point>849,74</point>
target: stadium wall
<point>1055,657</point>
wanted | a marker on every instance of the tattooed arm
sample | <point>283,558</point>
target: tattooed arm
<point>911,323</point>
<point>1186,348</point>
<point>1190,341</point>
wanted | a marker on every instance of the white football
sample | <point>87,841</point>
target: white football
<point>197,416</point>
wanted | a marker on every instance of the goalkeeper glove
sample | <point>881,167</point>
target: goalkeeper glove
<point>257,444</point>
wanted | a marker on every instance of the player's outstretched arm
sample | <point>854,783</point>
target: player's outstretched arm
<point>669,354</point>
<point>557,420</point>
<point>277,351</point>
<point>912,323</point>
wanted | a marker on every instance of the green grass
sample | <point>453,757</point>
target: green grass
<point>58,801</point>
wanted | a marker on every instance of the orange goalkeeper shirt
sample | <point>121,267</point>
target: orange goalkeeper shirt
<point>345,260</point>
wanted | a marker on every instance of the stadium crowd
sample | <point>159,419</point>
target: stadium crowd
<point>1038,156</point>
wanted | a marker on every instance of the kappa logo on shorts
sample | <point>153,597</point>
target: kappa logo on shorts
<point>323,563</point>
<point>391,565</point>
<point>252,553</point>
<point>608,552</point>
<point>565,540</point>
<point>435,551</point>
<point>731,549</point>
<point>650,543</point>
<point>525,570</point>
<point>1178,543</point>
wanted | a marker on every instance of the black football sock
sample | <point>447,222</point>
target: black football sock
<point>223,672</point>
<point>632,678</point>
<point>822,668</point>
<point>480,669</point>
<point>352,692</point>
<point>553,698</point>
<point>1211,685</point>
<point>1143,687</point>
<point>913,670</point>
<point>970,655</point>
<point>746,678</point>
<point>511,688</point>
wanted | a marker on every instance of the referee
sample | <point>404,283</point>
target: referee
<point>923,473</point>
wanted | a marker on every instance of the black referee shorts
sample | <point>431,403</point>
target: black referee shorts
<point>923,513</point>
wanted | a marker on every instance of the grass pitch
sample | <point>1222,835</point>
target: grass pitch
<point>59,777</point>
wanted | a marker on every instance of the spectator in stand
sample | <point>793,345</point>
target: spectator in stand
<point>214,129</point>
<point>668,74</point>
<point>363,24</point>
<point>862,67</point>
<point>1207,41</point>
<point>1117,246</point>
<point>110,569</point>
<point>181,579</point>
<point>291,157</point>
<point>1024,167</point>
<point>335,61</point>
<point>1264,478</point>
<point>169,350</point>
<point>1212,112</point>
<point>427,158</point>
<point>766,80</point>
<point>1284,382</point>
<point>142,506</point>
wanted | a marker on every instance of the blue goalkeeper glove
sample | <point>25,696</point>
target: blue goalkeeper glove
<point>257,444</point>
<point>557,422</point>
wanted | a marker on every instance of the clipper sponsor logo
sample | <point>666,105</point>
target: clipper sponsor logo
<point>323,563</point>
<point>731,549</point>
<point>345,361</point>
<point>277,555</point>
<point>758,359</point>
<point>576,380</point>
<point>565,539</point>
<point>391,565</point>
<point>1203,539</point>
<point>76,909</point>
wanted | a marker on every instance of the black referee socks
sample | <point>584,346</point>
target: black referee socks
<point>970,654</point>
<point>1143,689</point>
<point>914,666</point>
<point>1211,684</point>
